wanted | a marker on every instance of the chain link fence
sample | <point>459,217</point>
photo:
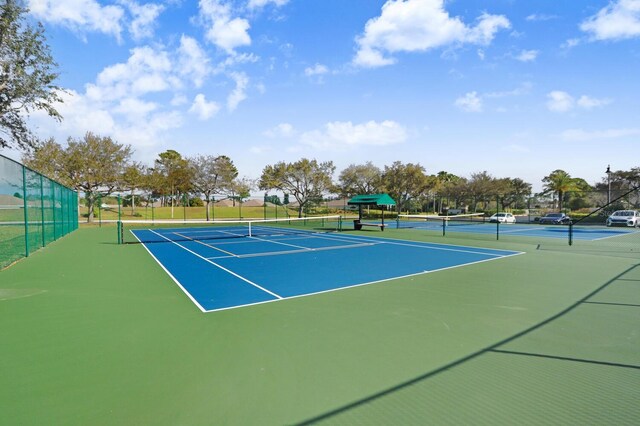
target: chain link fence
<point>34,211</point>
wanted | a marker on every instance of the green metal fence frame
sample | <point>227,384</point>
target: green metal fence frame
<point>57,203</point>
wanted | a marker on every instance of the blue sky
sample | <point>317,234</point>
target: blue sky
<point>517,88</point>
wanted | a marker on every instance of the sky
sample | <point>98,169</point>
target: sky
<point>517,88</point>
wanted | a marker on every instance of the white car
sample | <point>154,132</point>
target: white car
<point>502,218</point>
<point>624,218</point>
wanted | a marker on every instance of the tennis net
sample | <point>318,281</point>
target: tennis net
<point>159,231</point>
<point>432,221</point>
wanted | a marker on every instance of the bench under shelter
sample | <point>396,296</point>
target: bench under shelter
<point>381,201</point>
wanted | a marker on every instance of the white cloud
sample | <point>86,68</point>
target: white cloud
<point>559,101</point>
<point>143,127</point>
<point>527,55</point>
<point>470,102</point>
<point>144,18</point>
<point>282,130</point>
<point>79,15</point>
<point>133,109</point>
<point>570,43</point>
<point>540,17</point>
<point>255,4</point>
<point>618,20</point>
<point>194,63</point>
<point>419,25</point>
<point>202,108</point>
<point>317,69</point>
<point>339,136</point>
<point>147,70</point>
<point>587,102</point>
<point>523,89</point>
<point>224,31</point>
<point>580,135</point>
<point>238,94</point>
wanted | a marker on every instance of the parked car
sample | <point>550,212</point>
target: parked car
<point>624,218</point>
<point>555,219</point>
<point>502,218</point>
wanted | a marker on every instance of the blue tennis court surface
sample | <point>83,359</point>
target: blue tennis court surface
<point>588,233</point>
<point>229,273</point>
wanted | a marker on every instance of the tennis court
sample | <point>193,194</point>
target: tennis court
<point>98,333</point>
<point>218,269</point>
<point>477,224</point>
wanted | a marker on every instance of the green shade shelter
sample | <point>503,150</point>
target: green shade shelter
<point>376,200</point>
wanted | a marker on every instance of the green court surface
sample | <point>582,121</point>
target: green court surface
<point>97,333</point>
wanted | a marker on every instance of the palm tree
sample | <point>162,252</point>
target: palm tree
<point>560,182</point>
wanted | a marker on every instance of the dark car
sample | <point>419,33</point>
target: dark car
<point>555,219</point>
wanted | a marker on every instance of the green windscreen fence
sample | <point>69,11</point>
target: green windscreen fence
<point>34,211</point>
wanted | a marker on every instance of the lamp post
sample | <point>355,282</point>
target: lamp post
<point>608,172</point>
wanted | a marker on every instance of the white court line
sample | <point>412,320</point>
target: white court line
<point>220,266</point>
<point>278,242</point>
<point>363,284</point>
<point>304,250</point>
<point>461,249</point>
<point>175,280</point>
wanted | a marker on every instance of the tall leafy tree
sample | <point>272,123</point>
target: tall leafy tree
<point>359,179</point>
<point>404,182</point>
<point>93,165</point>
<point>305,179</point>
<point>482,187</point>
<point>212,175</point>
<point>133,178</point>
<point>176,174</point>
<point>47,158</point>
<point>513,191</point>
<point>559,183</point>
<point>27,76</point>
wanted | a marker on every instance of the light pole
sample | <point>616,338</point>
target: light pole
<point>608,172</point>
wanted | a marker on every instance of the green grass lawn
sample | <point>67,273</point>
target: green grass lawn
<point>97,333</point>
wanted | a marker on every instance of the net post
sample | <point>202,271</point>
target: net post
<point>119,208</point>
<point>497,218</point>
<point>444,226</point>
<point>571,233</point>
<point>250,230</point>
<point>120,233</point>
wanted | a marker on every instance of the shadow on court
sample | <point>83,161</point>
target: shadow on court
<point>590,350</point>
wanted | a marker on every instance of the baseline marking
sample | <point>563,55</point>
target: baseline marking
<point>221,267</point>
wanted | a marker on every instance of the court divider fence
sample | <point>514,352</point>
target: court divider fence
<point>34,211</point>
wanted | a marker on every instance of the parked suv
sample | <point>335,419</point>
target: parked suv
<point>624,218</point>
<point>555,219</point>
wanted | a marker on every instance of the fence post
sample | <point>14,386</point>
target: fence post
<point>42,209</point>
<point>26,213</point>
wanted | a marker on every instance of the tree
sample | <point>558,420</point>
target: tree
<point>47,158</point>
<point>404,182</point>
<point>133,178</point>
<point>27,75</point>
<point>359,179</point>
<point>92,165</point>
<point>481,187</point>
<point>305,179</point>
<point>212,175</point>
<point>560,182</point>
<point>176,174</point>
<point>443,185</point>
<point>514,191</point>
